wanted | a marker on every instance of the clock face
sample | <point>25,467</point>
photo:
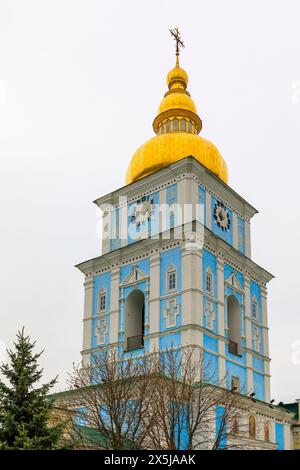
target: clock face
<point>143,211</point>
<point>221,216</point>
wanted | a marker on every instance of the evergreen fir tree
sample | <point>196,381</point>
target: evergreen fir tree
<point>24,406</point>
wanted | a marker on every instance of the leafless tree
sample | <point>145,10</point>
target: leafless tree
<point>193,409</point>
<point>160,401</point>
<point>112,396</point>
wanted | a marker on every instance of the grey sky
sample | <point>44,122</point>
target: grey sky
<point>80,82</point>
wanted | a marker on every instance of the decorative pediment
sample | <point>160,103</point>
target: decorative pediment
<point>134,276</point>
<point>233,282</point>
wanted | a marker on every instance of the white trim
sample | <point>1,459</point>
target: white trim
<point>171,269</point>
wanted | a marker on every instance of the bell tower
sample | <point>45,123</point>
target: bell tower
<point>176,265</point>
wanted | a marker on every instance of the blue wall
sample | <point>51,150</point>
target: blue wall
<point>221,434</point>
<point>279,436</point>
<point>241,234</point>
<point>259,386</point>
<point>211,367</point>
<point>172,340</point>
<point>237,370</point>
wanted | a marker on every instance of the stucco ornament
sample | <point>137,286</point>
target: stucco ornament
<point>221,216</point>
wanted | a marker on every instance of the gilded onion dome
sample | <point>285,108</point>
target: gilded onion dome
<point>177,126</point>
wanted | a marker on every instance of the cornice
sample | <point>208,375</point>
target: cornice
<point>145,248</point>
<point>173,173</point>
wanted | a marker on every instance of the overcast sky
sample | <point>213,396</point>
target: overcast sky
<point>80,83</point>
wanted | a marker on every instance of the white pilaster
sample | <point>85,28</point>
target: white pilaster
<point>264,312</point>
<point>114,305</point>
<point>208,209</point>
<point>106,232</point>
<point>191,262</point>
<point>288,437</point>
<point>187,198</point>
<point>87,316</point>
<point>248,330</point>
<point>248,334</point>
<point>154,300</point>
<point>221,318</point>
<point>247,239</point>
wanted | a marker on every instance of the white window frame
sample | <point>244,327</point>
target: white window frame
<point>254,302</point>
<point>102,293</point>
<point>209,273</point>
<point>171,271</point>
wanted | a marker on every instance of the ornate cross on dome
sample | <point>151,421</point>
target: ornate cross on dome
<point>177,37</point>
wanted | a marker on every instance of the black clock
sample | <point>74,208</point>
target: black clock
<point>221,216</point>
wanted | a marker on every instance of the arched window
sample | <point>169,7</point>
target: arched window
<point>171,279</point>
<point>190,126</point>
<point>267,432</point>
<point>252,427</point>
<point>235,384</point>
<point>236,424</point>
<point>168,126</point>
<point>135,321</point>
<point>183,125</point>
<point>175,124</point>
<point>254,308</point>
<point>102,301</point>
<point>209,281</point>
<point>162,129</point>
<point>234,325</point>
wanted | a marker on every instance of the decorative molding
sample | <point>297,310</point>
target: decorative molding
<point>101,330</point>
<point>233,282</point>
<point>171,311</point>
<point>209,313</point>
<point>134,276</point>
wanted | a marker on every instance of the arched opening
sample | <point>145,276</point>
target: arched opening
<point>252,427</point>
<point>234,325</point>
<point>267,432</point>
<point>135,320</point>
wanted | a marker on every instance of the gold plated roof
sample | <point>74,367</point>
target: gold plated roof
<point>177,126</point>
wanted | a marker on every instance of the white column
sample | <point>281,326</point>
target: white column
<point>114,305</point>
<point>288,437</point>
<point>154,301</point>
<point>187,198</point>
<point>191,298</point>
<point>221,318</point>
<point>106,232</point>
<point>87,317</point>
<point>247,239</point>
<point>264,311</point>
<point>265,339</point>
<point>248,334</point>
<point>208,209</point>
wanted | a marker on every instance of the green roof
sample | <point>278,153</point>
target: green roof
<point>292,407</point>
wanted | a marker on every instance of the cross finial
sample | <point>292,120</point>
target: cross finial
<point>179,43</point>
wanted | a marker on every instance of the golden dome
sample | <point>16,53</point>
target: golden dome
<point>176,125</point>
<point>177,101</point>
<point>163,150</point>
<point>177,74</point>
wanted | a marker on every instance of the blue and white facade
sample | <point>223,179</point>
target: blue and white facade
<point>200,288</point>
